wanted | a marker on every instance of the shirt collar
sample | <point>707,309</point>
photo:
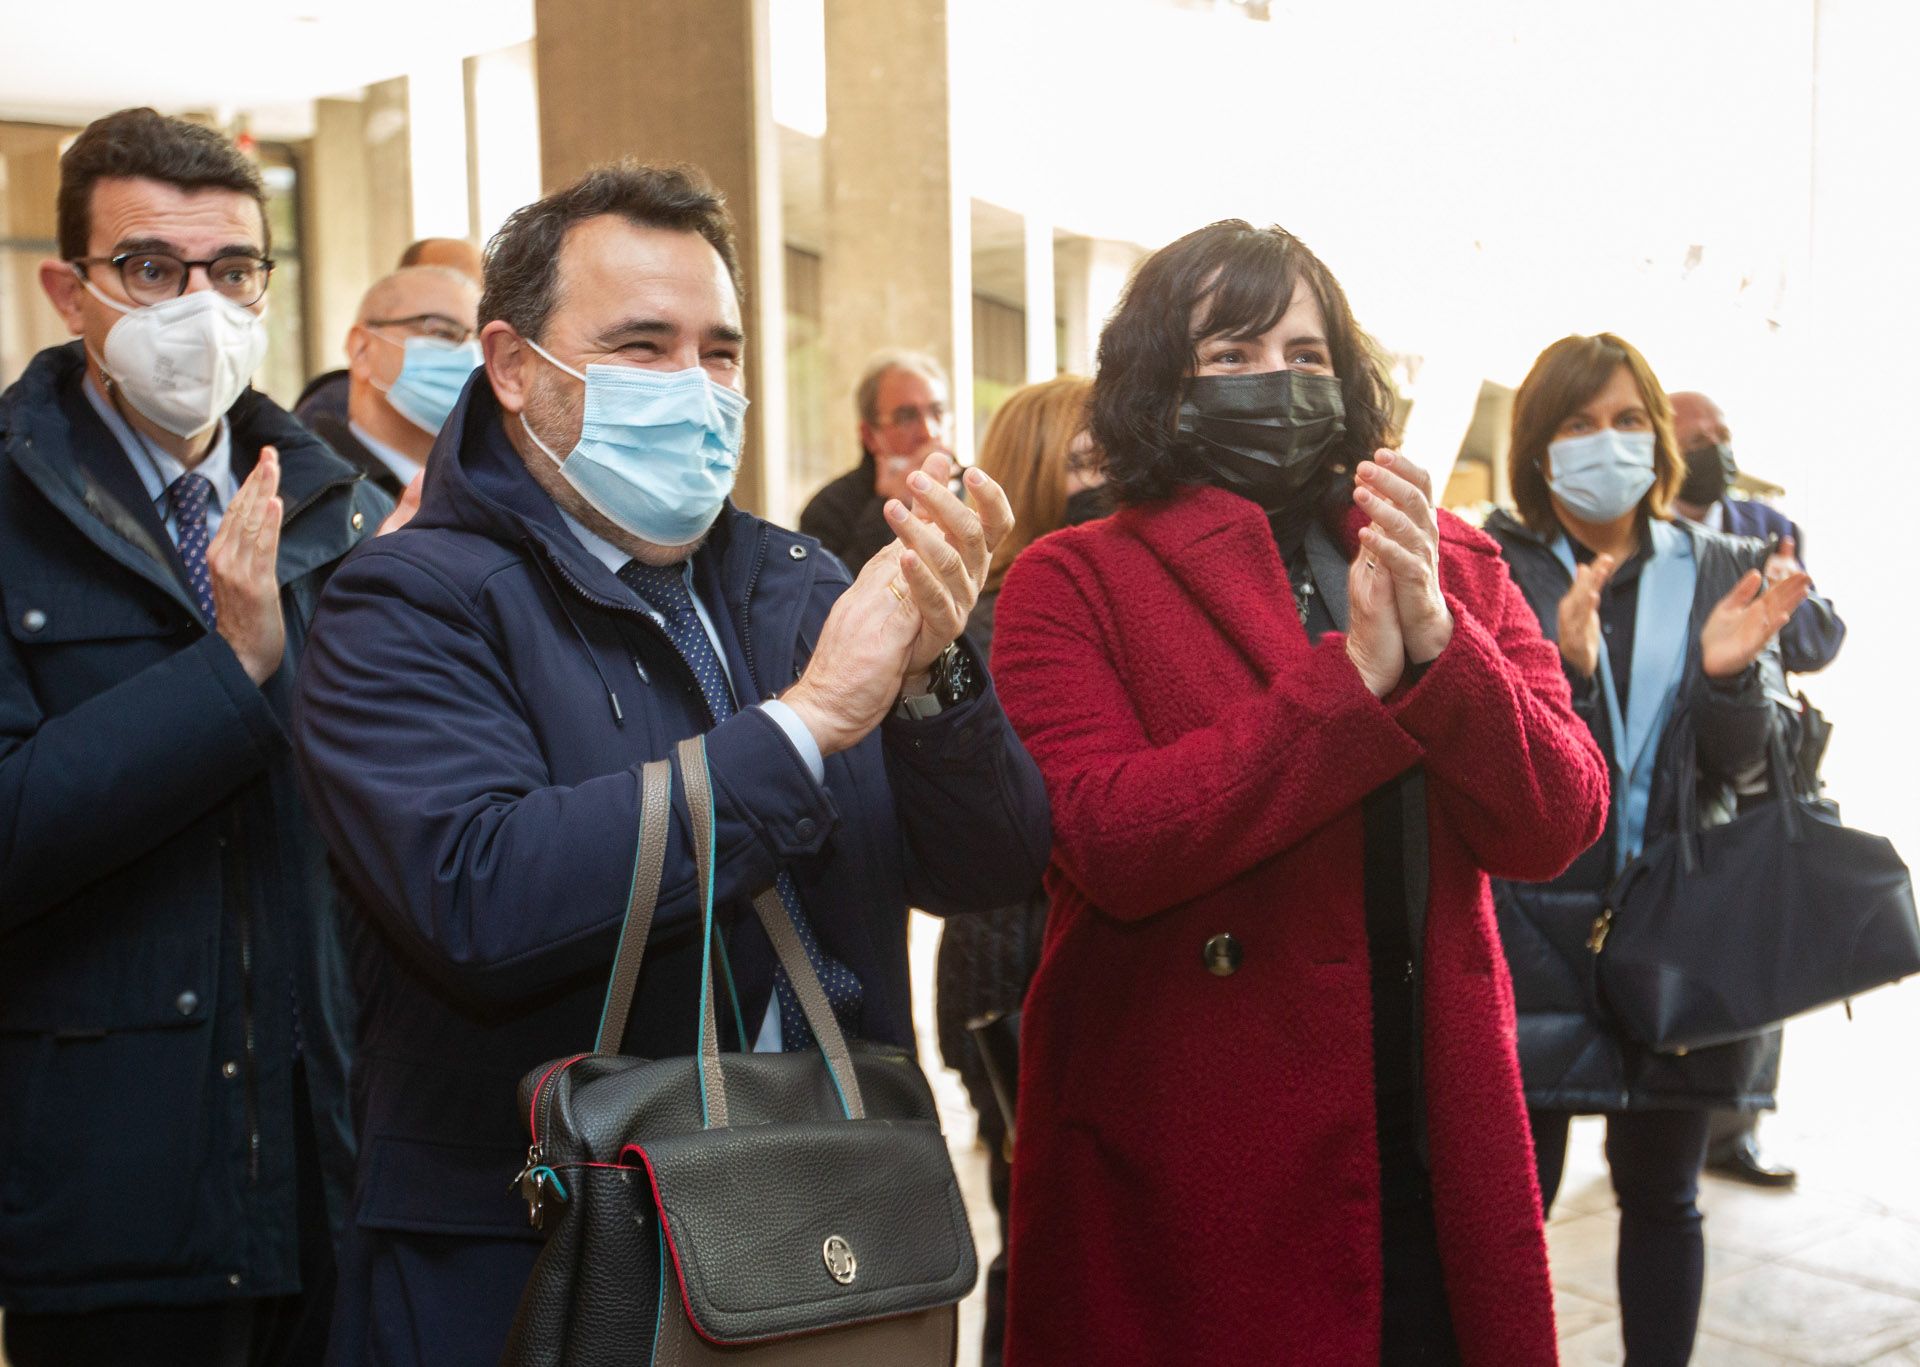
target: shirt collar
<point>596,545</point>
<point>404,467</point>
<point>158,469</point>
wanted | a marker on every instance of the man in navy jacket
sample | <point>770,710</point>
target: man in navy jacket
<point>174,999</point>
<point>484,685</point>
<point>1813,637</point>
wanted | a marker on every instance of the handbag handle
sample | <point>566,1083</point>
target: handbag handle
<point>649,859</point>
<point>649,863</point>
<point>786,945</point>
<point>1780,774</point>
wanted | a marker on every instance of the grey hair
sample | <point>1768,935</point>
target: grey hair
<point>866,394</point>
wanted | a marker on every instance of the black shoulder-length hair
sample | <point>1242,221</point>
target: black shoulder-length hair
<point>1247,276</point>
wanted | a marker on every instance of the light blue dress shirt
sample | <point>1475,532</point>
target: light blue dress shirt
<point>404,467</point>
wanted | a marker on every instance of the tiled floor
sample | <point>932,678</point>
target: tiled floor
<point>1826,1274</point>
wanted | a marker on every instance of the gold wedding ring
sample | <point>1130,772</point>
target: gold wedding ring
<point>893,587</point>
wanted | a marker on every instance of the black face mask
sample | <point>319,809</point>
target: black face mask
<point>1710,472</point>
<point>1262,436</point>
<point>1086,505</point>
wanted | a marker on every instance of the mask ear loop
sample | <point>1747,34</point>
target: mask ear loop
<point>525,426</point>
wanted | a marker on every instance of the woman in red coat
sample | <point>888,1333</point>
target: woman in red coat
<point>1290,717</point>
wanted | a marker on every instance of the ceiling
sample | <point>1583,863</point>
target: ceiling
<point>59,66</point>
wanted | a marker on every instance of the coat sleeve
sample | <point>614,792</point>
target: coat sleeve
<point>1511,763</point>
<point>93,789</point>
<point>424,771</point>
<point>1814,634</point>
<point>1735,720</point>
<point>1140,827</point>
<point>971,806</point>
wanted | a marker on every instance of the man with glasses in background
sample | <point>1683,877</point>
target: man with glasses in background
<point>174,1001</point>
<point>409,354</point>
<point>903,403</point>
<point>326,394</point>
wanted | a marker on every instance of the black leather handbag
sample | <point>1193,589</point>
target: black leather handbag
<point>749,1209</point>
<point>1715,935</point>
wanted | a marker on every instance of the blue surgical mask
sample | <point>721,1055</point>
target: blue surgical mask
<point>1602,475</point>
<point>658,449</point>
<point>430,380</point>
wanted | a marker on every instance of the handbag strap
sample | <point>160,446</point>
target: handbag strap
<point>713,1083</point>
<point>786,945</point>
<point>813,1000</point>
<point>649,858</point>
<point>656,795</point>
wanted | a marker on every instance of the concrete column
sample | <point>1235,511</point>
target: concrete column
<point>1093,273</point>
<point>1043,339</point>
<point>334,230</point>
<point>388,170</point>
<point>666,81</point>
<point>28,188</point>
<point>897,261</point>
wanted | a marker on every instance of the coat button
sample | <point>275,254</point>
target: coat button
<point>359,520</point>
<point>229,1069</point>
<point>1221,955</point>
<point>233,1279</point>
<point>33,620</point>
<point>805,828</point>
<point>797,552</point>
<point>187,1003</point>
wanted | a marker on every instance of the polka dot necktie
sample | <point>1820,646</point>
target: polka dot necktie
<point>664,589</point>
<point>188,496</point>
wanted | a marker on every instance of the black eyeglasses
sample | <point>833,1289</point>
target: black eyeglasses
<point>155,277</point>
<point>435,325</point>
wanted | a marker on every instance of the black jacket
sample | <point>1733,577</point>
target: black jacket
<point>336,434</point>
<point>848,518</point>
<point>1569,1059</point>
<point>163,899</point>
<point>479,697</point>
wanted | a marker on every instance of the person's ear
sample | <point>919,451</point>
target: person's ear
<point>65,292</point>
<point>509,364</point>
<point>358,340</point>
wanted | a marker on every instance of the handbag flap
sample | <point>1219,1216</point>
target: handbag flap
<point>784,1229</point>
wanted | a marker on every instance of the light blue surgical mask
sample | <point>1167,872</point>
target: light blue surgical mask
<point>432,374</point>
<point>1603,475</point>
<point>658,449</point>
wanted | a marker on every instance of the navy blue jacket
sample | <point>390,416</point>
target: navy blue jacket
<point>1570,1058</point>
<point>480,694</point>
<point>1811,639</point>
<point>162,896</point>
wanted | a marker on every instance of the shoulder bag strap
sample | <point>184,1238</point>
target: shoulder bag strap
<point>650,857</point>
<point>693,773</point>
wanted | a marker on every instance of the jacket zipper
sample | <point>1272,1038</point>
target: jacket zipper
<point>250,1093</point>
<point>746,603</point>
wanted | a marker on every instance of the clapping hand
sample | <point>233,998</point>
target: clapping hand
<point>1404,537</point>
<point>1580,615</point>
<point>946,550</point>
<point>1746,619</point>
<point>243,564</point>
<point>1374,641</point>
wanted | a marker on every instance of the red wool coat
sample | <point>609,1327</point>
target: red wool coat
<point>1196,1178</point>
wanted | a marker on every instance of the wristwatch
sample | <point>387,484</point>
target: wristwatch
<point>951,681</point>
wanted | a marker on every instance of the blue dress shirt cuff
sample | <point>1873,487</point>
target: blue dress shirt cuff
<point>804,744</point>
